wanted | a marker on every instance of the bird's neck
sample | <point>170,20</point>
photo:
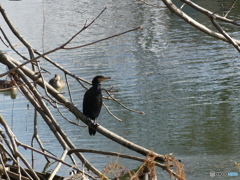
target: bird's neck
<point>97,87</point>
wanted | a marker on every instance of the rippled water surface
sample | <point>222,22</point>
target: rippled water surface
<point>186,83</point>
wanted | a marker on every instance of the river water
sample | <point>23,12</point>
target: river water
<point>186,82</point>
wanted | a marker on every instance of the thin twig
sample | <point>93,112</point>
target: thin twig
<point>111,113</point>
<point>10,44</point>
<point>230,8</point>
<point>104,39</point>
<point>71,122</point>
<point>69,90</point>
<point>2,39</point>
<point>84,28</point>
<point>139,112</point>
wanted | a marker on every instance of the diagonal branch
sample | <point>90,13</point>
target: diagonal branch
<point>209,13</point>
<point>232,6</point>
<point>174,9</point>
<point>104,39</point>
<point>230,39</point>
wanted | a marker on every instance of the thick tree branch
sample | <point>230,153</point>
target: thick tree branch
<point>174,9</point>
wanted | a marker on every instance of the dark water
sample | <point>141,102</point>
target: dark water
<point>186,82</point>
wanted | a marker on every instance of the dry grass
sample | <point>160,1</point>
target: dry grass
<point>114,170</point>
<point>147,171</point>
<point>171,162</point>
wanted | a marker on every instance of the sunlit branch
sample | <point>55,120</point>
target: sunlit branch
<point>209,13</point>
<point>14,69</point>
<point>201,27</point>
<point>108,153</point>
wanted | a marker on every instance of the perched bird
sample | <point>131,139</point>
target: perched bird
<point>9,86</point>
<point>4,84</point>
<point>57,82</point>
<point>92,102</point>
<point>74,175</point>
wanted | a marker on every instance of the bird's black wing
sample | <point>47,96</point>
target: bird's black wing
<point>92,103</point>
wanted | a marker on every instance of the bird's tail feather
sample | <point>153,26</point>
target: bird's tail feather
<point>91,131</point>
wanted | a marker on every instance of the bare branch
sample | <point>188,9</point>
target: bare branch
<point>232,6</point>
<point>209,13</point>
<point>111,113</point>
<point>14,69</point>
<point>104,39</point>
<point>111,96</point>
<point>196,24</point>
<point>113,154</point>
<point>84,27</point>
<point>52,157</point>
<point>231,40</point>
<point>58,165</point>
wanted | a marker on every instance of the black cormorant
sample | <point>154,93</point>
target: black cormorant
<point>92,102</point>
<point>57,82</point>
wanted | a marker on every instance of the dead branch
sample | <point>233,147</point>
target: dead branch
<point>228,37</point>
<point>150,158</point>
<point>174,9</point>
<point>113,154</point>
<point>209,13</point>
<point>233,4</point>
<point>104,39</point>
<point>117,101</point>
<point>16,154</point>
<point>115,117</point>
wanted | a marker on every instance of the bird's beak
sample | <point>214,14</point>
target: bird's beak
<point>103,79</point>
